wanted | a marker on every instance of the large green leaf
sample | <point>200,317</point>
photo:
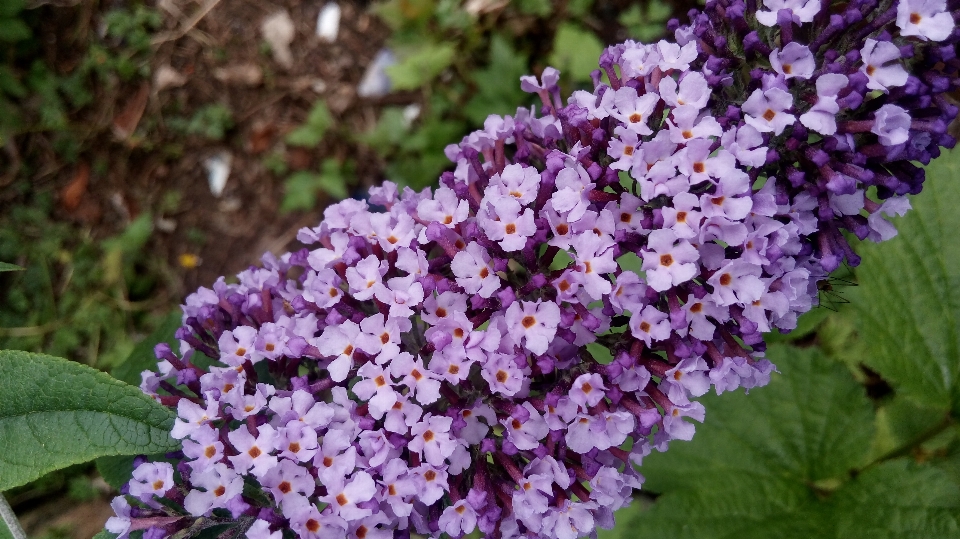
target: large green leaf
<point>6,266</point>
<point>782,462</point>
<point>812,423</point>
<point>55,412</point>
<point>897,499</point>
<point>908,301</point>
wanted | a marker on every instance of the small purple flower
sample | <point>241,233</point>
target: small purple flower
<point>535,323</point>
<point>668,262</point>
<point>474,272</point>
<point>926,19</point>
<point>254,451</point>
<point>801,10</point>
<point>882,75</point>
<point>766,110</point>
<point>892,124</point>
<point>151,479</point>
<point>795,60</point>
<point>221,485</point>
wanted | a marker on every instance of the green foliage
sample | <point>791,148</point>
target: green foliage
<point>420,65</point>
<point>575,52</point>
<point>209,121</point>
<point>302,189</point>
<point>646,22</point>
<point>6,266</point>
<point>56,412</point>
<point>498,85</point>
<point>134,28</point>
<point>908,300</point>
<point>12,28</point>
<point>116,470</point>
<point>791,460</point>
<point>540,8</point>
<point>142,357</point>
<point>314,128</point>
<point>35,96</point>
<point>391,130</point>
<point>73,298</point>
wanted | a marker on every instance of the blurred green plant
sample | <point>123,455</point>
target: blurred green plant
<point>209,121</point>
<point>36,96</point>
<point>645,22</point>
<point>575,52</point>
<point>303,189</point>
<point>76,297</point>
<point>314,127</point>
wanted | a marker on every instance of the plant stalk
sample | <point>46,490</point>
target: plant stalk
<point>10,519</point>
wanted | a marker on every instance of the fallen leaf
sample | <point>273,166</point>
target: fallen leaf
<point>88,212</point>
<point>126,121</point>
<point>278,31</point>
<point>72,194</point>
<point>167,77</point>
<point>479,7</point>
<point>244,74</point>
<point>261,137</point>
<point>299,158</point>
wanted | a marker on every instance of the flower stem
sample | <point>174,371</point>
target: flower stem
<point>10,519</point>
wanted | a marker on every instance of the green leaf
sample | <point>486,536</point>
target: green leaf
<point>134,237</point>
<point>312,131</point>
<point>421,66</point>
<point>897,499</point>
<point>779,461</point>
<point>908,301</point>
<point>812,423</point>
<point>13,30</point>
<point>498,85</point>
<point>302,188</point>
<point>56,412</point>
<point>104,534</point>
<point>646,23</point>
<point>540,8</point>
<point>116,470</point>
<point>575,52</point>
<point>390,130</point>
<point>142,357</point>
<point>299,192</point>
<point>6,266</point>
<point>333,179</point>
<point>10,8</point>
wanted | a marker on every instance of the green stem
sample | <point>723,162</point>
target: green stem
<point>908,447</point>
<point>10,519</point>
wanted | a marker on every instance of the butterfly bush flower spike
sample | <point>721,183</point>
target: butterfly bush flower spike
<point>430,367</point>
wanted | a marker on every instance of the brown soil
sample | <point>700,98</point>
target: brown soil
<point>223,61</point>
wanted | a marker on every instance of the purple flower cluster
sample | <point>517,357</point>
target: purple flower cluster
<point>499,353</point>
